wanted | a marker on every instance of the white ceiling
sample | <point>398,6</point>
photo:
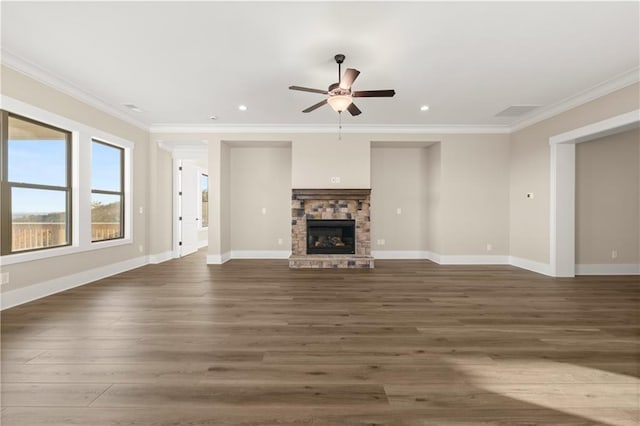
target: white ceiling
<point>183,62</point>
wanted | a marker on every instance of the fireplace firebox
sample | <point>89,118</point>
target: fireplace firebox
<point>331,236</point>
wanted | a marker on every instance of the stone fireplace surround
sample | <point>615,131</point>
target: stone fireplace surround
<point>330,204</point>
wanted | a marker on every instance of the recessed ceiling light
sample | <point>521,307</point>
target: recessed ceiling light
<point>424,108</point>
<point>133,107</point>
<point>213,117</point>
<point>242,107</point>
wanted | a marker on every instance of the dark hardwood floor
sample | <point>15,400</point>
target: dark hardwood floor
<point>255,343</point>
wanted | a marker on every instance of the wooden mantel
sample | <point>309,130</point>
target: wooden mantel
<point>331,194</point>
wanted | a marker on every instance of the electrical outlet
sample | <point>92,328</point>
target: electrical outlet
<point>140,248</point>
<point>335,179</point>
<point>489,247</point>
<point>280,241</point>
<point>264,210</point>
<point>4,278</point>
<point>141,210</point>
<point>399,210</point>
<point>381,242</point>
<point>530,195</point>
<point>614,254</point>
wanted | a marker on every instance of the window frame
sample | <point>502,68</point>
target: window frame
<point>121,193</point>
<point>6,225</point>
<point>81,136</point>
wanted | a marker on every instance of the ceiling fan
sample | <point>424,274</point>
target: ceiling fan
<point>340,95</point>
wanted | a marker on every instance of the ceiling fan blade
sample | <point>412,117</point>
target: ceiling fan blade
<point>315,106</point>
<point>353,109</point>
<point>374,94</point>
<point>308,89</point>
<point>348,78</point>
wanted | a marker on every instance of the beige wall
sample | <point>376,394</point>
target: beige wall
<point>529,164</point>
<point>30,91</point>
<point>433,210</point>
<point>260,177</point>
<point>398,181</point>
<point>607,199</point>
<point>318,158</point>
<point>475,195</point>
<point>160,208</point>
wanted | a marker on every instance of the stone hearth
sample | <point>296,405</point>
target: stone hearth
<point>342,204</point>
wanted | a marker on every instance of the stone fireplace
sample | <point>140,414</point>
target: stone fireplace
<point>330,228</point>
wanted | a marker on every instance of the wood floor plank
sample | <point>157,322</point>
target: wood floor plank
<point>256,343</point>
<point>207,395</point>
<point>48,394</point>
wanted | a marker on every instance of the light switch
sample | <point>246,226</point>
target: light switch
<point>398,210</point>
<point>264,210</point>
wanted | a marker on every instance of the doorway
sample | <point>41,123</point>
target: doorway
<point>563,177</point>
<point>187,207</point>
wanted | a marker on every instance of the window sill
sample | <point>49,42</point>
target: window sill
<point>11,259</point>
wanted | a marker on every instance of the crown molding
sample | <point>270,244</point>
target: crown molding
<point>46,77</point>
<point>329,128</point>
<point>599,90</point>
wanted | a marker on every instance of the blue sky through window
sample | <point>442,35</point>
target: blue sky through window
<point>105,167</point>
<point>40,161</point>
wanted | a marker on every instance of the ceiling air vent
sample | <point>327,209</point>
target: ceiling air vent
<point>132,107</point>
<point>516,110</point>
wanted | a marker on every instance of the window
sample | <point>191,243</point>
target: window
<point>36,185</point>
<point>204,199</point>
<point>107,191</point>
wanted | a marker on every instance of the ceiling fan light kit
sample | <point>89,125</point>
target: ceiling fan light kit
<point>339,102</point>
<point>340,96</point>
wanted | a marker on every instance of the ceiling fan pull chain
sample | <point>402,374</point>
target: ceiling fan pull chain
<point>340,126</point>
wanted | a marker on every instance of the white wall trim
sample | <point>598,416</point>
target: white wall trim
<point>218,259</point>
<point>599,90</point>
<point>46,77</point>
<point>480,259</point>
<point>608,269</point>
<point>562,187</point>
<point>19,296</point>
<point>329,128</point>
<point>260,254</point>
<point>399,254</point>
<point>530,265</point>
<point>599,129</point>
<point>434,257</point>
<point>160,257</point>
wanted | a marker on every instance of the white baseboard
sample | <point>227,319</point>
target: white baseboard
<point>434,257</point>
<point>27,294</point>
<point>440,258</point>
<point>160,257</point>
<point>480,259</point>
<point>399,254</point>
<point>608,269</point>
<point>260,254</point>
<point>530,265</point>
<point>218,259</point>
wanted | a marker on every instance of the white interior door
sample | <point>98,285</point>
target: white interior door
<point>188,216</point>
